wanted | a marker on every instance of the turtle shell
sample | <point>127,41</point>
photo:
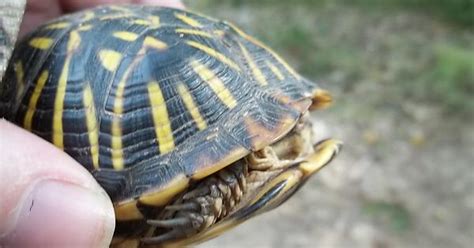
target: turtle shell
<point>149,99</point>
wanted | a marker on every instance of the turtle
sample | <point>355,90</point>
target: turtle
<point>191,125</point>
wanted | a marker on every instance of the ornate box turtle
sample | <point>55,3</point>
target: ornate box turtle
<point>190,125</point>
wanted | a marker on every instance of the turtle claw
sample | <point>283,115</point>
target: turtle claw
<point>171,223</point>
<point>175,234</point>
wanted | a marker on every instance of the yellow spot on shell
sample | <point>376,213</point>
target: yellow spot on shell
<point>124,35</point>
<point>215,83</point>
<point>110,59</point>
<point>141,22</point>
<point>160,197</point>
<point>154,43</point>
<point>193,32</point>
<point>88,15</point>
<point>154,21</point>
<point>58,25</point>
<point>214,53</point>
<point>92,126</point>
<point>41,43</point>
<point>188,20</point>
<point>191,106</point>
<point>275,70</point>
<point>162,123</point>
<point>257,73</point>
<point>42,79</point>
<point>84,27</point>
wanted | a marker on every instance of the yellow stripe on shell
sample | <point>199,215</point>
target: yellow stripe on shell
<point>260,44</point>
<point>191,106</point>
<point>42,43</point>
<point>117,152</point>
<point>257,73</point>
<point>127,211</point>
<point>161,197</point>
<point>20,79</point>
<point>159,111</point>
<point>211,52</point>
<point>125,35</point>
<point>91,123</point>
<point>58,135</point>
<point>110,59</point>
<point>193,32</point>
<point>275,70</point>
<point>215,83</point>
<point>188,20</point>
<point>58,25</point>
<point>42,79</point>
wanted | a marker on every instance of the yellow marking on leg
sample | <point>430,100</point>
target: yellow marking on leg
<point>127,211</point>
<point>42,43</point>
<point>191,106</point>
<point>110,59</point>
<point>257,73</point>
<point>324,152</point>
<point>151,42</point>
<point>160,197</point>
<point>275,70</point>
<point>20,80</point>
<point>42,79</point>
<point>215,83</point>
<point>92,126</point>
<point>260,44</point>
<point>126,36</point>
<point>163,131</point>
<point>188,20</point>
<point>58,25</point>
<point>58,135</point>
<point>214,53</point>
<point>193,32</point>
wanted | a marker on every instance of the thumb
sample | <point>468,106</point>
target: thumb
<point>48,199</point>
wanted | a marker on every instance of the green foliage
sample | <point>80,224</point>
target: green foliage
<point>452,78</point>
<point>394,215</point>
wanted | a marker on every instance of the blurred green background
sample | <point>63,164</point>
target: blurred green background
<point>402,75</point>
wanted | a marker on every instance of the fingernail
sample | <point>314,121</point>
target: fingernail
<point>59,214</point>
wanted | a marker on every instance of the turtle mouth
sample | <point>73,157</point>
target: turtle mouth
<point>252,185</point>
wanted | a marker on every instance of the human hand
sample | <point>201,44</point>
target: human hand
<point>48,199</point>
<point>39,11</point>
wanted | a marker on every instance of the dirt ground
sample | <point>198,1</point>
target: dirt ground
<point>405,176</point>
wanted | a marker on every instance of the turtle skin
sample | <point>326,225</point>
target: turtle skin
<point>152,99</point>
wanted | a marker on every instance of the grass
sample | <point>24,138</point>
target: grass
<point>395,216</point>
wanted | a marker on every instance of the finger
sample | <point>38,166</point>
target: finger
<point>37,12</point>
<point>75,5</point>
<point>48,199</point>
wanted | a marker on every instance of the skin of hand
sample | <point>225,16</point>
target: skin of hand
<point>48,199</point>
